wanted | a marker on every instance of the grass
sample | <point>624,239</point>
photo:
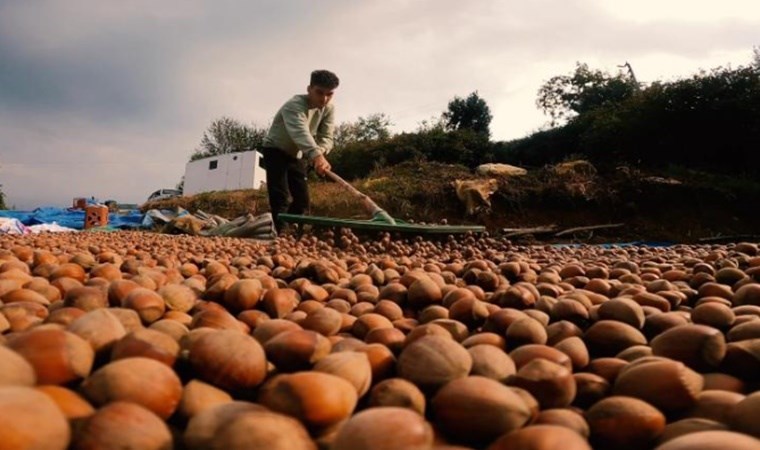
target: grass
<point>409,191</point>
<point>732,185</point>
<point>227,204</point>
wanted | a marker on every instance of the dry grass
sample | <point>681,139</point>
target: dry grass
<point>412,191</point>
<point>423,192</point>
<point>228,204</point>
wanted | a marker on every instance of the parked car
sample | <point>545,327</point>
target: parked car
<point>162,194</point>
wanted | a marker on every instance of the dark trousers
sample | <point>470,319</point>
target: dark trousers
<point>286,176</point>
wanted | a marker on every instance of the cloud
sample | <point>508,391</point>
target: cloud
<point>110,98</point>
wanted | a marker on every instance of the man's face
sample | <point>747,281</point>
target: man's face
<point>319,96</point>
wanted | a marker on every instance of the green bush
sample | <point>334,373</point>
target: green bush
<point>465,147</point>
<point>541,148</point>
<point>710,121</point>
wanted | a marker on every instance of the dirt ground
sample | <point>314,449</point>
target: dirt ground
<point>685,207</point>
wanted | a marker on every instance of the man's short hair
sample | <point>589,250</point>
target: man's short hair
<point>325,79</point>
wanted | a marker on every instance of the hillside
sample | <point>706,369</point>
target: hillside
<point>669,205</point>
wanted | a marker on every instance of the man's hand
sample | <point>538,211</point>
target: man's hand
<point>321,165</point>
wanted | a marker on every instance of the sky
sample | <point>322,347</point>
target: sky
<point>109,98</point>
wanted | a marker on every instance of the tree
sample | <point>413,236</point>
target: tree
<point>434,124</point>
<point>565,96</point>
<point>2,198</point>
<point>375,127</point>
<point>470,113</point>
<point>708,121</point>
<point>756,57</point>
<point>227,135</point>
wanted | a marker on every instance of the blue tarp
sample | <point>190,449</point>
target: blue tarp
<point>73,218</point>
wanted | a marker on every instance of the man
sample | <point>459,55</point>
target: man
<point>300,136</point>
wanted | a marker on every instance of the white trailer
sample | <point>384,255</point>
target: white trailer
<point>226,172</point>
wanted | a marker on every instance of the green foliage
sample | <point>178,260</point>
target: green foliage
<point>710,121</point>
<point>353,139</point>
<point>353,160</point>
<point>471,113</point>
<point>227,135</point>
<point>565,96</point>
<point>543,147</point>
<point>464,147</point>
<point>375,127</point>
<point>458,136</point>
<point>435,123</point>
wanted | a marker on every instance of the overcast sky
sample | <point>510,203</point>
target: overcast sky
<point>108,98</point>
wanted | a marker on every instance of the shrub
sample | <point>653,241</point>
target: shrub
<point>464,147</point>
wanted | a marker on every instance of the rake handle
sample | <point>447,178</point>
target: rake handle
<point>371,205</point>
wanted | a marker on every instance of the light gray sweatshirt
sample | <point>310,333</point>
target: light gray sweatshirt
<point>301,131</point>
